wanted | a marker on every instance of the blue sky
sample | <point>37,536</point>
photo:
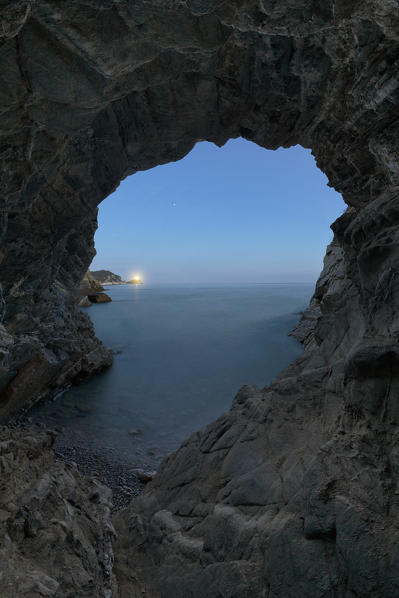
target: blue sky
<point>239,213</point>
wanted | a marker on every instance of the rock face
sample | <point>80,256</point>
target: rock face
<point>90,291</point>
<point>36,362</point>
<point>89,285</point>
<point>100,298</point>
<point>294,492</point>
<point>280,497</point>
<point>55,528</point>
<point>107,277</point>
<point>84,302</point>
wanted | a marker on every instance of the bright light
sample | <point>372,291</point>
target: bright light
<point>136,279</point>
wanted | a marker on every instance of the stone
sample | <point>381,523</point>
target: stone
<point>99,298</point>
<point>84,302</point>
<point>294,491</point>
<point>145,476</point>
<point>90,291</point>
<point>55,526</point>
<point>89,284</point>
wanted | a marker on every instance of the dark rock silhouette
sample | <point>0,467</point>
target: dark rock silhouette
<point>100,298</point>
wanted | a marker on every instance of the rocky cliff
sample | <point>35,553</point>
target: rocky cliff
<point>294,492</point>
<point>107,277</point>
<point>90,291</point>
<point>89,284</point>
<point>55,527</point>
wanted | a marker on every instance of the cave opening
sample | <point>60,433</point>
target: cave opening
<point>229,243</point>
<point>293,491</point>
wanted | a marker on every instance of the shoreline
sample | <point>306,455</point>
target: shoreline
<point>116,474</point>
<point>120,476</point>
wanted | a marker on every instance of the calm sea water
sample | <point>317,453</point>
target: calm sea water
<point>181,353</point>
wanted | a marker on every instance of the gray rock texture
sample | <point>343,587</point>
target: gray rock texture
<point>55,528</point>
<point>89,285</point>
<point>90,291</point>
<point>294,492</point>
<point>84,301</point>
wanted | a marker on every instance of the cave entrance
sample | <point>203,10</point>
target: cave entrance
<point>229,242</point>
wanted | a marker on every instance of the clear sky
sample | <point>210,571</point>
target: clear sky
<point>239,213</point>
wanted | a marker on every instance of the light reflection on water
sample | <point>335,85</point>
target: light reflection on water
<point>182,352</point>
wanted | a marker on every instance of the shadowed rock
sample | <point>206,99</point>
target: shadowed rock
<point>100,298</point>
<point>84,302</point>
<point>89,285</point>
<point>55,528</point>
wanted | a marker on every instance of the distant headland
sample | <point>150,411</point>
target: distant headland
<point>107,277</point>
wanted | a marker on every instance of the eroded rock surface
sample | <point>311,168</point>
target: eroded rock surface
<point>55,528</point>
<point>94,91</point>
<point>285,496</point>
<point>91,291</point>
<point>89,285</point>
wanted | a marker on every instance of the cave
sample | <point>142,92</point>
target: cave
<point>294,491</point>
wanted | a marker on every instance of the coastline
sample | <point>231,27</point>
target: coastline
<point>118,475</point>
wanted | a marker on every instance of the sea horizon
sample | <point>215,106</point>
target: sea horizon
<point>211,283</point>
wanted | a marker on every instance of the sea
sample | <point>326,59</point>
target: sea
<point>181,352</point>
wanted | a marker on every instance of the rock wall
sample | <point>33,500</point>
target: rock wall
<point>55,528</point>
<point>294,491</point>
<point>89,285</point>
<point>90,291</point>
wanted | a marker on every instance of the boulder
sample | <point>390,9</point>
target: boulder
<point>99,298</point>
<point>84,301</point>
